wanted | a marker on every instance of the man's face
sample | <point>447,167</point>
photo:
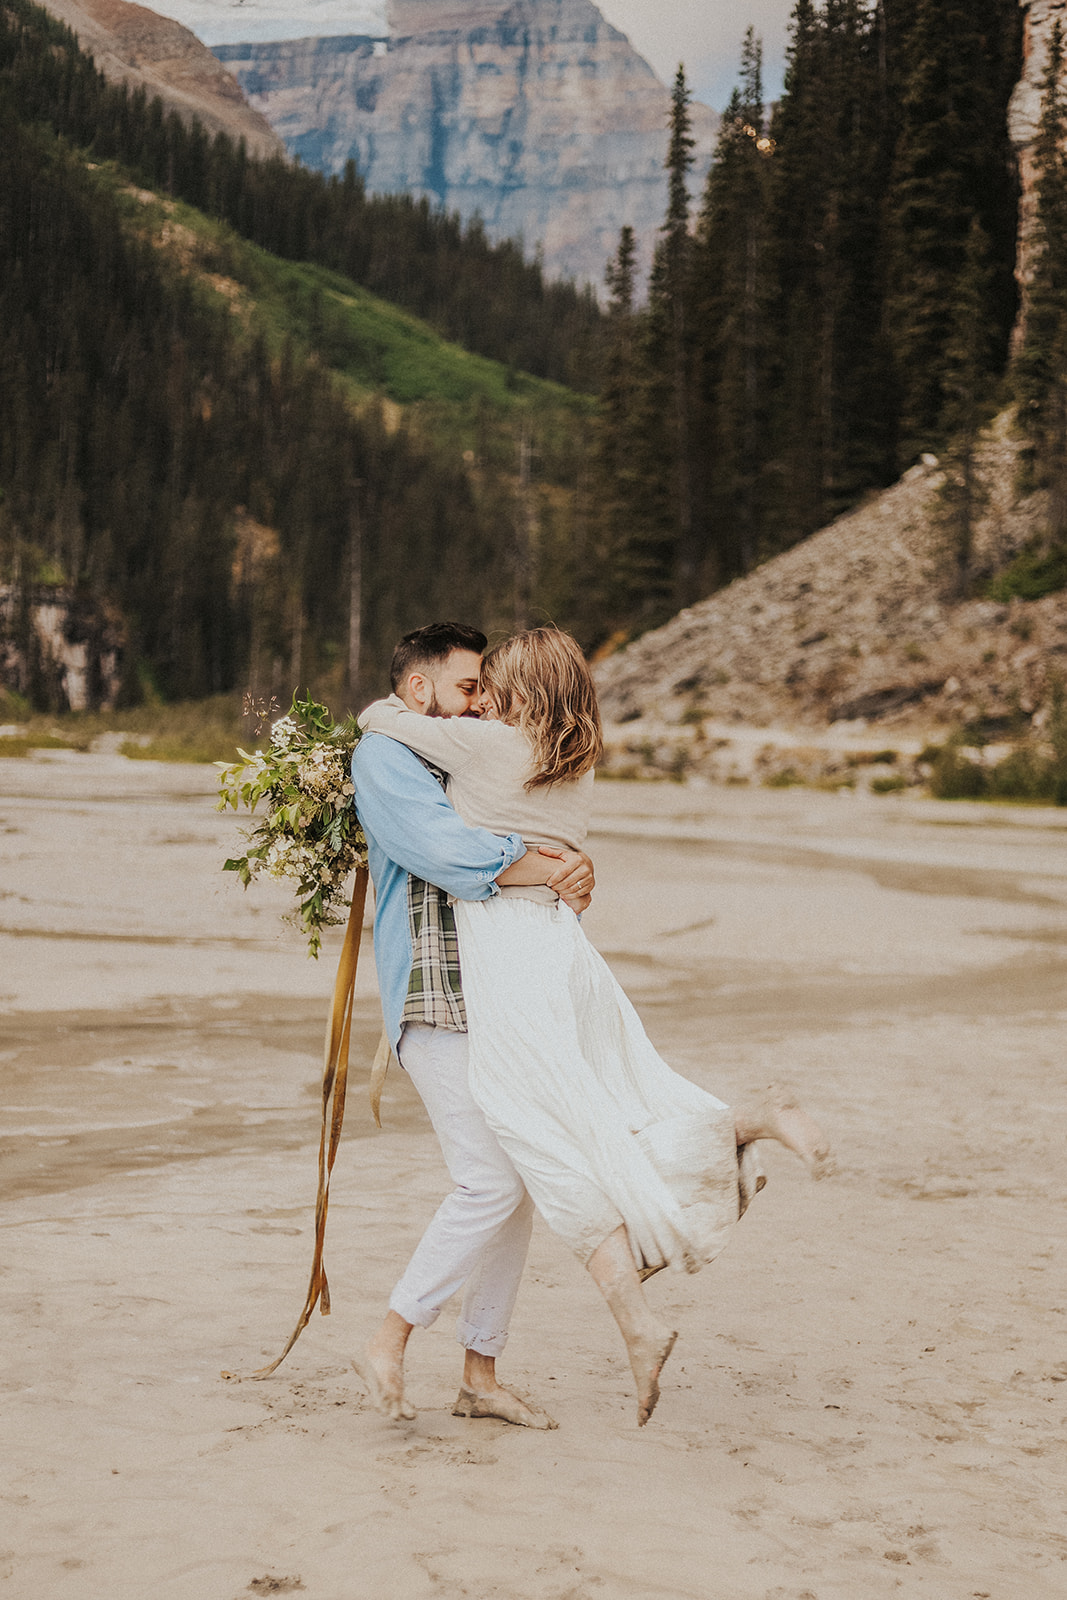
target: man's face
<point>448,689</point>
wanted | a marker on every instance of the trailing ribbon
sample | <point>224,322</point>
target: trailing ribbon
<point>334,1086</point>
<point>382,1057</point>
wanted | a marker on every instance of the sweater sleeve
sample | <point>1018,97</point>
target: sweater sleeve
<point>451,743</point>
<point>403,807</point>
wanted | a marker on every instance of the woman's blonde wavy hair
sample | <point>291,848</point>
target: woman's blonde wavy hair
<point>540,682</point>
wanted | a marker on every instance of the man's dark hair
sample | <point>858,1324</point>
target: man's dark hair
<point>429,646</point>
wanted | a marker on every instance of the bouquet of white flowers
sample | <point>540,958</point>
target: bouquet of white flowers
<point>308,830</point>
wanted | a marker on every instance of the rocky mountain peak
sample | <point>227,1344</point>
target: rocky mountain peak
<point>538,116</point>
<point>131,44</point>
<point>410,17</point>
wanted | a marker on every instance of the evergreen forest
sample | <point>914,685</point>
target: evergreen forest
<point>839,299</point>
<point>315,417</point>
<point>239,499</point>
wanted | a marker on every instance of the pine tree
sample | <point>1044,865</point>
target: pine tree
<point>831,422</point>
<point>732,297</point>
<point>952,166</point>
<point>1041,368</point>
<point>624,578</point>
<point>968,393</point>
<point>670,334</point>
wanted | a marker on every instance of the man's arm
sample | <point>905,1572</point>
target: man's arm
<point>404,808</point>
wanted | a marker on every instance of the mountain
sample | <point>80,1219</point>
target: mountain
<point>538,116</point>
<point>220,467</point>
<point>133,45</point>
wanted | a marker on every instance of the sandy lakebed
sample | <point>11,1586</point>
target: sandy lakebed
<point>867,1397</point>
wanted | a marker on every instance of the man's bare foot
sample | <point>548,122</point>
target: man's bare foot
<point>779,1116</point>
<point>647,1358</point>
<point>383,1376</point>
<point>502,1403</point>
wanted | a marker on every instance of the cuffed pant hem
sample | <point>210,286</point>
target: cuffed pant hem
<point>484,1344</point>
<point>418,1315</point>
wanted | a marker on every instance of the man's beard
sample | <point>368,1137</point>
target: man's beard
<point>435,709</point>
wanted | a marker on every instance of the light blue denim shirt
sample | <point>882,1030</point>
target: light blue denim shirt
<point>412,829</point>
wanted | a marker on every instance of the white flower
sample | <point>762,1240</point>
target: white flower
<point>283,732</point>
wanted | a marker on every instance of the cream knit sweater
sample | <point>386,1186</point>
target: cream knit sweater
<point>487,764</point>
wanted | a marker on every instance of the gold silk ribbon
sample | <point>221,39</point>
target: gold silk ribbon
<point>334,1086</point>
<point>382,1057</point>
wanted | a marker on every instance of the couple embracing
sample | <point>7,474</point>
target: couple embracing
<point>473,786</point>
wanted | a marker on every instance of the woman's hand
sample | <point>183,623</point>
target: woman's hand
<point>574,879</point>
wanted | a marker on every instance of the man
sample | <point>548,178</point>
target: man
<point>421,852</point>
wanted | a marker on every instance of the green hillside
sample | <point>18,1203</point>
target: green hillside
<point>522,442</point>
<point>373,346</point>
<point>487,297</point>
<point>224,468</point>
<point>378,347</point>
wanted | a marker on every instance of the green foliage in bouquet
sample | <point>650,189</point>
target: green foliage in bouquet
<point>309,830</point>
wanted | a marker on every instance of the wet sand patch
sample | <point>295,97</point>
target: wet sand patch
<point>867,1395</point>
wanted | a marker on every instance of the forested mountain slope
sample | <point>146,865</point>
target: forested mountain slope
<point>838,300</point>
<point>486,297</point>
<point>193,456</point>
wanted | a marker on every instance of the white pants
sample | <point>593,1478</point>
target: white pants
<point>481,1232</point>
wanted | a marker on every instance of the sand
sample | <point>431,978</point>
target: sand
<point>867,1396</point>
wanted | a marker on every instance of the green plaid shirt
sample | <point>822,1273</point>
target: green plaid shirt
<point>435,992</point>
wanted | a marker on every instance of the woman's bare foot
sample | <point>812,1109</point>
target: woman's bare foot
<point>383,1374</point>
<point>502,1403</point>
<point>647,1358</point>
<point>648,1342</point>
<point>778,1116</point>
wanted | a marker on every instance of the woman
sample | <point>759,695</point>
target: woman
<point>635,1166</point>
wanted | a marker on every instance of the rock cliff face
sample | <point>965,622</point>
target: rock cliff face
<point>1024,116</point>
<point>133,45</point>
<point>537,115</point>
<point>60,647</point>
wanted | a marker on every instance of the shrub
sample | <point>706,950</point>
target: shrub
<point>954,777</point>
<point>1021,776</point>
<point>1037,570</point>
<point>1031,772</point>
<point>679,763</point>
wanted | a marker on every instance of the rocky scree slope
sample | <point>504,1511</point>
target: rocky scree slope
<point>846,645</point>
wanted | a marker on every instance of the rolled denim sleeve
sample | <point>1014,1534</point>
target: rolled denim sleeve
<point>404,808</point>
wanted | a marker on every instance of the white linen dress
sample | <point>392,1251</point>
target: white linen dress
<point>602,1131</point>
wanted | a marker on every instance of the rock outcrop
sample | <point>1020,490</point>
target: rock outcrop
<point>536,115</point>
<point>60,648</point>
<point>133,45</point>
<point>1023,118</point>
